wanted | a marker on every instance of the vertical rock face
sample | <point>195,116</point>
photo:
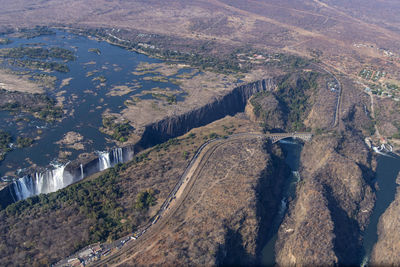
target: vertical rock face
<point>334,198</point>
<point>230,104</point>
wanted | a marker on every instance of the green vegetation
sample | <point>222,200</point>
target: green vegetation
<point>370,128</point>
<point>97,200</point>
<point>295,98</point>
<point>29,33</point>
<point>37,53</point>
<point>24,142</point>
<point>294,101</point>
<point>231,63</point>
<point>5,140</point>
<point>145,199</point>
<point>40,65</point>
<point>119,131</point>
<point>170,98</point>
<point>397,135</point>
<point>41,106</point>
<point>166,145</point>
<point>38,58</point>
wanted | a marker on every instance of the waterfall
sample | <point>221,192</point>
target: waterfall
<point>110,159</point>
<point>117,156</point>
<point>282,208</point>
<point>58,177</point>
<point>104,160</point>
<point>81,171</point>
<point>42,183</point>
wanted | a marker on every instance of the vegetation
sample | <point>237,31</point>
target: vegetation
<point>293,97</point>
<point>100,78</point>
<point>37,53</point>
<point>145,199</point>
<point>118,131</point>
<point>229,63</point>
<point>38,58</point>
<point>29,33</point>
<point>24,142</point>
<point>5,140</point>
<point>40,65</point>
<point>41,106</point>
<point>166,145</point>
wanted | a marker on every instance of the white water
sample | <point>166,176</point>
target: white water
<point>117,155</point>
<point>104,160</point>
<point>81,171</point>
<point>58,178</point>
<point>110,159</point>
<point>42,183</point>
<point>382,151</point>
<point>284,141</point>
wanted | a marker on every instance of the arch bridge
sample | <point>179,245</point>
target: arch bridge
<point>275,137</point>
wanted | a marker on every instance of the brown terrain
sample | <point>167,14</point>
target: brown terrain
<point>386,250</point>
<point>212,224</point>
<point>223,214</point>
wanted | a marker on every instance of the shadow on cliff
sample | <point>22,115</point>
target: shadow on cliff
<point>233,253</point>
<point>269,194</point>
<point>347,244</point>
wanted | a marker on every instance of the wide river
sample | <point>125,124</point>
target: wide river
<point>86,98</point>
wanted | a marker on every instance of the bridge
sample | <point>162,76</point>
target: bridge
<point>275,137</point>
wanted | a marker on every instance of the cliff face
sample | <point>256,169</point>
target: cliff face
<point>331,209</point>
<point>230,104</point>
<point>334,198</point>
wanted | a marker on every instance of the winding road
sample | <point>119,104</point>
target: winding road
<point>175,199</point>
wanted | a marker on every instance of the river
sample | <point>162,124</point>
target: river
<point>87,97</point>
<point>292,150</point>
<point>386,174</point>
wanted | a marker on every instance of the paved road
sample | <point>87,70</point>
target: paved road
<point>176,197</point>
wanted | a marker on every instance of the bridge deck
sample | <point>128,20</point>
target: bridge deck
<point>275,137</point>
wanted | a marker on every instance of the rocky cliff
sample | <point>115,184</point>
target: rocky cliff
<point>226,214</point>
<point>334,198</point>
<point>229,104</point>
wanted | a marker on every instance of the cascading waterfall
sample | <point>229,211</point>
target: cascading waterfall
<point>110,159</point>
<point>58,177</point>
<point>81,166</point>
<point>118,156</point>
<point>104,160</point>
<point>42,183</point>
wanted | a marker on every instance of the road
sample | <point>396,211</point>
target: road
<point>175,199</point>
<point>336,116</point>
